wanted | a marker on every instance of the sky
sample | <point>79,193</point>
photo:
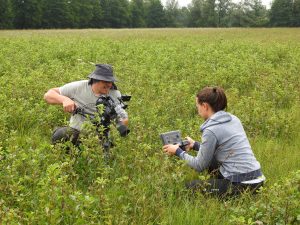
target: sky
<point>186,2</point>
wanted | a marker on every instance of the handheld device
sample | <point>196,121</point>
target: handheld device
<point>174,138</point>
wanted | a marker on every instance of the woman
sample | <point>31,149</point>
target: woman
<point>225,149</point>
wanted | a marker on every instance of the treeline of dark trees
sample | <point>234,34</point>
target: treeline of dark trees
<point>34,14</point>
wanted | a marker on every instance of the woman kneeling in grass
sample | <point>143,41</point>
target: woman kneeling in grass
<point>225,149</point>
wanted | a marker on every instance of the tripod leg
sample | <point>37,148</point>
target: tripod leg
<point>106,147</point>
<point>106,144</point>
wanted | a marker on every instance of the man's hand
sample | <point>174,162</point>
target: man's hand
<point>190,145</point>
<point>53,96</point>
<point>170,149</point>
<point>125,122</point>
<point>69,105</point>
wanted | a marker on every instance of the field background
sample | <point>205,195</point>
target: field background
<point>162,69</point>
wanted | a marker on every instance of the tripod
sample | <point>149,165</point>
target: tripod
<point>107,114</point>
<point>106,142</point>
<point>103,135</point>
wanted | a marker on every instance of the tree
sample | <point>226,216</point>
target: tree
<point>223,9</point>
<point>281,13</point>
<point>115,13</point>
<point>105,6</point>
<point>119,13</point>
<point>296,13</point>
<point>24,14</point>
<point>259,13</point>
<point>96,21</point>
<point>196,17</point>
<point>172,13</point>
<point>183,17</point>
<point>81,12</point>
<point>137,13</point>
<point>6,14</point>
<point>240,15</point>
<point>209,13</point>
<point>28,14</point>
<point>155,14</point>
<point>248,13</point>
<point>58,14</point>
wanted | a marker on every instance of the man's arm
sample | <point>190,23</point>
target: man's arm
<point>122,114</point>
<point>53,97</point>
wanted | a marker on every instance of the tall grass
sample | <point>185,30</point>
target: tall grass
<point>162,70</point>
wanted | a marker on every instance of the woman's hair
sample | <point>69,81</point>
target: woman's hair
<point>214,96</point>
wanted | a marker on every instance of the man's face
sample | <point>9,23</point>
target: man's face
<point>103,87</point>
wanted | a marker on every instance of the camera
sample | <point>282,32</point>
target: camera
<point>174,138</point>
<point>124,98</point>
<point>110,112</point>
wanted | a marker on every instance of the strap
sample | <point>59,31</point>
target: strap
<point>238,178</point>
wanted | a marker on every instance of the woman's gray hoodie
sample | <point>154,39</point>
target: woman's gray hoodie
<point>224,140</point>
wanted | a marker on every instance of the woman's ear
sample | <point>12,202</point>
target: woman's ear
<point>206,106</point>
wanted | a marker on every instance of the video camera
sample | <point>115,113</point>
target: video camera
<point>110,112</point>
<point>107,115</point>
<point>174,138</point>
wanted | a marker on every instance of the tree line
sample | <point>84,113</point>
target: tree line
<point>35,14</point>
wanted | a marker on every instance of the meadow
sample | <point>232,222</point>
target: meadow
<point>162,69</point>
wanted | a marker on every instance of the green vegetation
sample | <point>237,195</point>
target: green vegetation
<point>162,70</point>
<point>38,14</point>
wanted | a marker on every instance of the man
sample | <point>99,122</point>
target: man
<point>84,94</point>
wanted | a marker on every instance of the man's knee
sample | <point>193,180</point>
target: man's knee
<point>63,134</point>
<point>60,134</point>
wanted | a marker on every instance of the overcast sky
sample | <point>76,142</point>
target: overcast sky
<point>186,2</point>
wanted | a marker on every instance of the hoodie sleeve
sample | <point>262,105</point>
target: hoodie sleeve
<point>205,153</point>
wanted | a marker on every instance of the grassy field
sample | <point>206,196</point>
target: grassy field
<point>162,69</point>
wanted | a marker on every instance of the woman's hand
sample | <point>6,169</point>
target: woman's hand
<point>170,149</point>
<point>190,145</point>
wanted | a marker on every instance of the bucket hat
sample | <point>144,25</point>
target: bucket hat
<point>103,72</point>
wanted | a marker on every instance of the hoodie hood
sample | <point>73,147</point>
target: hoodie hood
<point>217,118</point>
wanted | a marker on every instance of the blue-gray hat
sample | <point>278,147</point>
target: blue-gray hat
<point>103,72</point>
